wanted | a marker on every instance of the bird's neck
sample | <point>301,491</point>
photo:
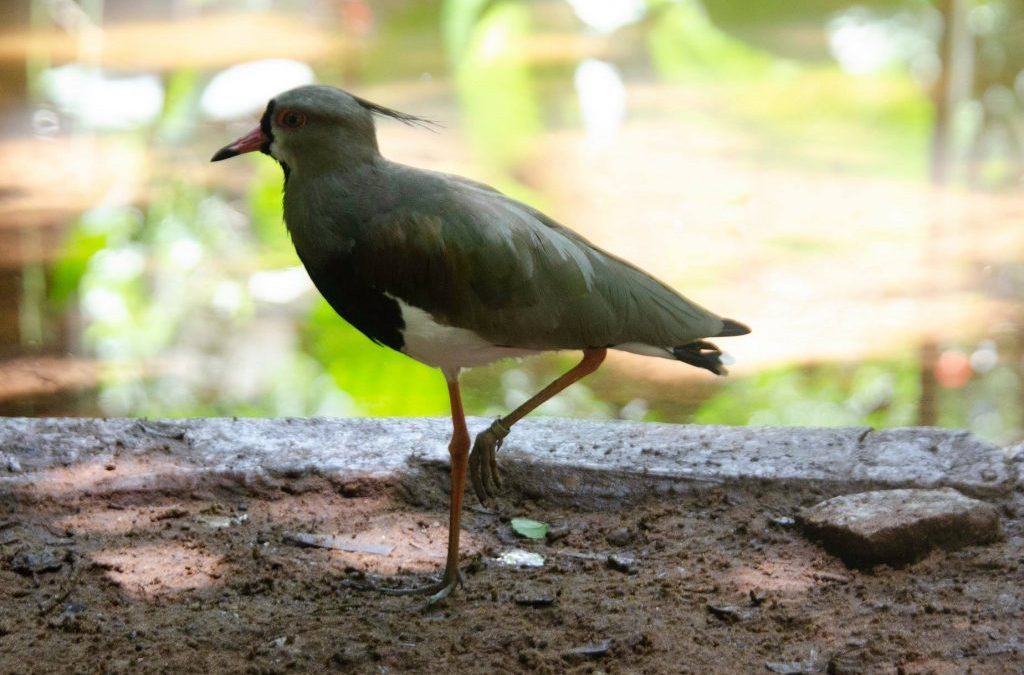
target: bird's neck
<point>326,210</point>
<point>316,160</point>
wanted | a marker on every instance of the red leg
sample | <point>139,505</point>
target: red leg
<point>458,450</point>
<point>483,464</point>
<point>592,358</point>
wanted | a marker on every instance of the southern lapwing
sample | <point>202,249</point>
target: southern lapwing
<point>455,274</point>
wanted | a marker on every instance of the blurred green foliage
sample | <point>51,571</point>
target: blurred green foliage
<point>880,394</point>
<point>495,84</point>
<point>266,216</point>
<point>684,45</point>
<point>380,380</point>
<point>163,289</point>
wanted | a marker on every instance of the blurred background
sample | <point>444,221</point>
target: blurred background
<point>844,177</point>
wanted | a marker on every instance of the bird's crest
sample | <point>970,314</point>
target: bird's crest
<point>405,118</point>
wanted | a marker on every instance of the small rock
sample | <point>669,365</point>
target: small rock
<point>621,563</point>
<point>535,601</point>
<point>851,662</point>
<point>215,521</point>
<point>72,619</point>
<point>593,651</point>
<point>36,562</point>
<point>556,533</point>
<point>9,536</point>
<point>782,522</point>
<point>169,514</point>
<point>517,557</point>
<point>620,537</point>
<point>218,522</point>
<point>899,526</point>
<point>728,613</point>
<point>786,668</point>
<point>74,607</point>
<point>829,576</point>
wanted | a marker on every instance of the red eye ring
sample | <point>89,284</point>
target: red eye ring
<point>291,119</point>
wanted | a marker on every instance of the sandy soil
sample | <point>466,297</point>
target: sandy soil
<point>715,581</point>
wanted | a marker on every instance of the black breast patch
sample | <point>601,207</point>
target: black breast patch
<point>373,313</point>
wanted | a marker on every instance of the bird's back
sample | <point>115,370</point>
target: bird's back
<point>476,259</point>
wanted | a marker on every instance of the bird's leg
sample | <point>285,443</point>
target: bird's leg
<point>483,463</point>
<point>458,450</point>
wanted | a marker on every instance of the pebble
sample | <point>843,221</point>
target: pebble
<point>517,557</point>
<point>535,601</point>
<point>592,651</point>
<point>556,533</point>
<point>620,537</point>
<point>36,562</point>
<point>728,613</point>
<point>621,563</point>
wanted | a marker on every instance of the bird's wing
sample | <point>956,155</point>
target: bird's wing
<point>477,259</point>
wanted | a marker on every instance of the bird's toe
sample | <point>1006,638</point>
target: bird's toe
<point>483,465</point>
<point>444,592</point>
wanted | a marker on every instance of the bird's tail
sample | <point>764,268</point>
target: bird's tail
<point>731,328</point>
<point>707,355</point>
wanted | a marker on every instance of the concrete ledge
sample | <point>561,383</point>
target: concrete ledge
<point>574,460</point>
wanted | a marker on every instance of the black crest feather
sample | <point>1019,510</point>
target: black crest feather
<point>405,118</point>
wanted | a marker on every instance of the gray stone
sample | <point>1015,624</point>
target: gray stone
<point>621,563</point>
<point>899,526</point>
<point>619,537</point>
<point>729,613</point>
<point>578,461</point>
<point>593,651</point>
<point>36,561</point>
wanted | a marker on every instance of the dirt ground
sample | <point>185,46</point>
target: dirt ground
<point>213,581</point>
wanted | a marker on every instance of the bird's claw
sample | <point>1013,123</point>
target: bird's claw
<point>483,461</point>
<point>438,591</point>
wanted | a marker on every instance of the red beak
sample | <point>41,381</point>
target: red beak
<point>252,141</point>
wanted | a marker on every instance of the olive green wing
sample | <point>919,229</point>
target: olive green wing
<point>476,259</point>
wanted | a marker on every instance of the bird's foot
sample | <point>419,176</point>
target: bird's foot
<point>438,591</point>
<point>483,461</point>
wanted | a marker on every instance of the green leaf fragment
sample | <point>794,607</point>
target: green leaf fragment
<point>531,529</point>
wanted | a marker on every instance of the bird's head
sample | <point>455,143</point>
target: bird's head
<point>315,126</point>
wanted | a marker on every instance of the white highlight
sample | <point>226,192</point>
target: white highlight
<point>227,297</point>
<point>186,253</point>
<point>280,286</point>
<point>101,102</point>
<point>866,42</point>
<point>606,16</point>
<point>602,100</point>
<point>245,89</point>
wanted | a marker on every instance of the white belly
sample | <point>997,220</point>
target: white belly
<point>447,347</point>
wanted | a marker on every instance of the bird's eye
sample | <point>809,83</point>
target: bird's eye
<point>291,119</point>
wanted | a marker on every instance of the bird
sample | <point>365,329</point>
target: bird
<point>455,274</point>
